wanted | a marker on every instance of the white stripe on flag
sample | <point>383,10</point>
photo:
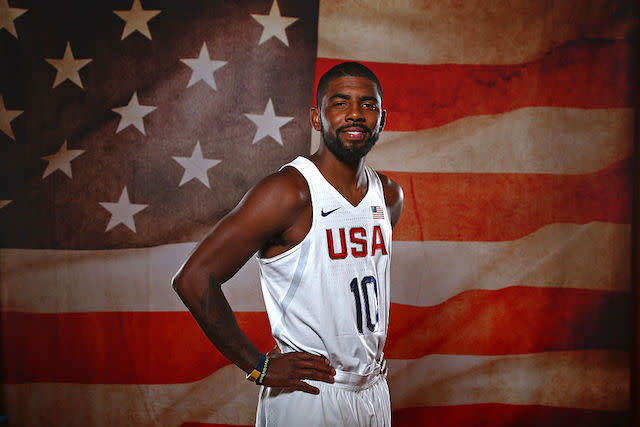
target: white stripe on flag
<point>590,256</point>
<point>451,32</point>
<point>588,379</point>
<point>528,140</point>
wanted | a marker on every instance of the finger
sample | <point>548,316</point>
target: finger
<point>301,355</point>
<point>307,388</point>
<point>308,358</point>
<point>318,370</point>
<point>311,374</point>
<point>316,365</point>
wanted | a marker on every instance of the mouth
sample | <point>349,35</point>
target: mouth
<point>354,133</point>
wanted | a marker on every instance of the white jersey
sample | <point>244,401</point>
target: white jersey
<point>329,295</point>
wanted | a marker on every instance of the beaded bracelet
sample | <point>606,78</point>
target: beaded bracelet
<point>263,372</point>
<point>260,370</point>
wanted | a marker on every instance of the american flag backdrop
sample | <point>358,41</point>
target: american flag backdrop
<point>128,128</point>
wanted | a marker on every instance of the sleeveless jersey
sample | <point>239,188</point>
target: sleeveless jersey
<point>329,295</point>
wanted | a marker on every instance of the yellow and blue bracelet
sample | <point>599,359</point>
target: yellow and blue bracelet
<point>263,371</point>
<point>260,370</point>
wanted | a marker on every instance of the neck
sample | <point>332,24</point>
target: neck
<point>348,178</point>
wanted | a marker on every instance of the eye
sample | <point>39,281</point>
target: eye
<point>370,106</point>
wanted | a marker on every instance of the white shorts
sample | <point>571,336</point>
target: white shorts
<point>344,403</point>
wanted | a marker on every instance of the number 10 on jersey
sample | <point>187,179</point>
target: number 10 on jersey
<point>367,291</point>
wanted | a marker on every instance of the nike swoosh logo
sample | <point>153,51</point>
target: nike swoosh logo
<point>323,213</point>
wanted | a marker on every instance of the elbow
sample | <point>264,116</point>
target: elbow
<point>190,279</point>
<point>186,281</point>
<point>177,282</point>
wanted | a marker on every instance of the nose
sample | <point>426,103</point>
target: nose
<point>355,113</point>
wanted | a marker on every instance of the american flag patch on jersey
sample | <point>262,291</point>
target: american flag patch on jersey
<point>377,212</point>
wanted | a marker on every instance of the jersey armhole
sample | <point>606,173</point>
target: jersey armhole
<point>311,228</point>
<point>380,185</point>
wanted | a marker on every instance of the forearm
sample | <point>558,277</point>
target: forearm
<point>211,310</point>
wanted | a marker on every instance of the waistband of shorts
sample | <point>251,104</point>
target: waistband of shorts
<point>353,380</point>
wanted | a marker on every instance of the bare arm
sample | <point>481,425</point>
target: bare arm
<point>270,209</point>
<point>393,196</point>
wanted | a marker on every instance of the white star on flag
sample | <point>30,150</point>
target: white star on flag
<point>268,124</point>
<point>67,67</point>
<point>203,67</point>
<point>136,19</point>
<point>61,160</point>
<point>132,114</point>
<point>8,15</point>
<point>6,116</point>
<point>123,211</point>
<point>274,24</point>
<point>196,166</point>
<point>4,203</point>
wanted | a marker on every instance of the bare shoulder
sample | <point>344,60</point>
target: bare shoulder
<point>393,196</point>
<point>392,190</point>
<point>286,188</point>
<point>275,202</point>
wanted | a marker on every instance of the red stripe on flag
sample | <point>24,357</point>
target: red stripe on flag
<point>581,74</point>
<point>168,347</point>
<point>116,347</point>
<point>512,320</point>
<point>501,415</point>
<point>500,206</point>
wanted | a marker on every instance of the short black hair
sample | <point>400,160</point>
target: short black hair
<point>343,69</point>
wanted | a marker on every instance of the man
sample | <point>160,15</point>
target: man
<point>322,229</point>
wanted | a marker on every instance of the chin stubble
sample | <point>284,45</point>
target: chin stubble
<point>344,153</point>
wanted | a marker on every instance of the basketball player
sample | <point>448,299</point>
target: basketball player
<point>321,227</point>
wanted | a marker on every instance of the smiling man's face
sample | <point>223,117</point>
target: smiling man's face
<point>350,117</point>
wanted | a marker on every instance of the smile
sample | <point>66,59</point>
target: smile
<point>354,133</point>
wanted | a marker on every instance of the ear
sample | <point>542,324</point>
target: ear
<point>314,118</point>
<point>383,120</point>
